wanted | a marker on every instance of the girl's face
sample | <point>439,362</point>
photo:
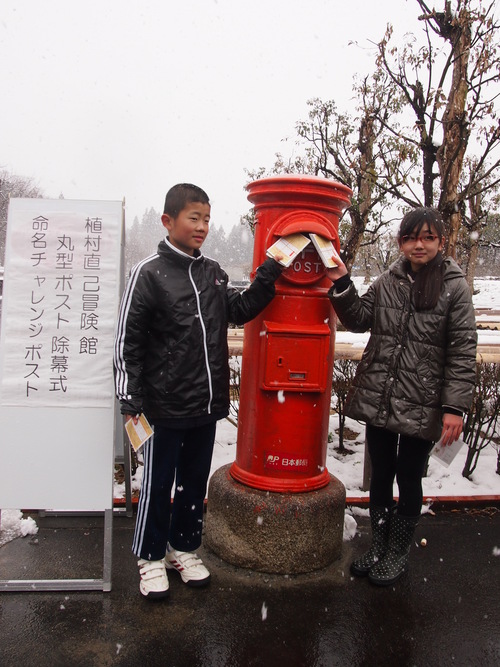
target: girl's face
<point>420,248</point>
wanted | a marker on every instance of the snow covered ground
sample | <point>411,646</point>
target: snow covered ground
<point>15,525</point>
<point>441,481</point>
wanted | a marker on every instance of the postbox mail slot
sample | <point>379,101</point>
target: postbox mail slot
<point>295,357</point>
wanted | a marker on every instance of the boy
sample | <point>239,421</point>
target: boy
<point>171,362</point>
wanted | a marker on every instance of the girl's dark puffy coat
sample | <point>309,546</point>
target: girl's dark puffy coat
<point>415,363</point>
<point>171,354</point>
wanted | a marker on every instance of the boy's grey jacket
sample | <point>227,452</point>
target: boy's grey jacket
<point>415,363</point>
<point>171,354</point>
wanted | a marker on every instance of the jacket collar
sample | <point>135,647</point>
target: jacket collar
<point>166,248</point>
<point>399,267</point>
<point>451,269</point>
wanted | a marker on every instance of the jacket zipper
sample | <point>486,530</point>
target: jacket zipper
<point>396,358</point>
<point>203,328</point>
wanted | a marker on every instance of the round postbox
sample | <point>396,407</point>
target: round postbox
<point>288,350</point>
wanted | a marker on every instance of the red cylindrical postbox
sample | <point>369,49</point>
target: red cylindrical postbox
<point>288,349</point>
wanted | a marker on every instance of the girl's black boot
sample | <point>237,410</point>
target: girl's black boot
<point>380,519</point>
<point>393,564</point>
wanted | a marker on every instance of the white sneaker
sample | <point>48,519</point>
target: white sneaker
<point>189,566</point>
<point>154,580</point>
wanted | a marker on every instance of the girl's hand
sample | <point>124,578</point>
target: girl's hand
<point>452,428</point>
<point>339,271</point>
<point>336,273</point>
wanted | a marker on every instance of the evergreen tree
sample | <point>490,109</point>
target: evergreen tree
<point>239,246</point>
<point>152,230</point>
<point>143,237</point>
<point>133,246</point>
<point>215,244</point>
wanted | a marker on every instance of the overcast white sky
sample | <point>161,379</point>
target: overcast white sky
<point>109,99</point>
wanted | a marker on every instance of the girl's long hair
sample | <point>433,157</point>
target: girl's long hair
<point>429,280</point>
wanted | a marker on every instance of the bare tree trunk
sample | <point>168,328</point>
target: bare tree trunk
<point>354,237</point>
<point>450,155</point>
<point>360,216</point>
<point>470,269</point>
<point>472,241</point>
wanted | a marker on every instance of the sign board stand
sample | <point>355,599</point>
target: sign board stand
<point>58,421</point>
<point>103,584</point>
<point>127,468</point>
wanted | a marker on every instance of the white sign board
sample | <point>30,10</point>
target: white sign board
<point>60,302</point>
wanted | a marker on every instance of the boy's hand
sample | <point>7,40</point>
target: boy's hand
<point>135,418</point>
<point>279,257</point>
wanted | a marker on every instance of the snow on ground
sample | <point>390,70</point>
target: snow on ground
<point>487,293</point>
<point>441,481</point>
<point>14,525</point>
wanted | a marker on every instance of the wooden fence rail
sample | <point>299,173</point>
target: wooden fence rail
<point>485,353</point>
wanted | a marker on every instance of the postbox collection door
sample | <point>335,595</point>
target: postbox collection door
<point>295,358</point>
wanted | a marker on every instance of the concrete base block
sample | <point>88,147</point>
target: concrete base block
<point>282,533</point>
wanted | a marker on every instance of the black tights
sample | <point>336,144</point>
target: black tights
<point>401,457</point>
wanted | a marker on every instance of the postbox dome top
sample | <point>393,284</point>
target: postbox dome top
<point>291,190</point>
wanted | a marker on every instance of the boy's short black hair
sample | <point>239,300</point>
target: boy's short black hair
<point>180,195</point>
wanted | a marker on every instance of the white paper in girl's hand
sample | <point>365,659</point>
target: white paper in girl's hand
<point>325,250</point>
<point>446,453</point>
<point>335,254</point>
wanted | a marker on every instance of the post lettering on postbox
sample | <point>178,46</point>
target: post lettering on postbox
<point>282,461</point>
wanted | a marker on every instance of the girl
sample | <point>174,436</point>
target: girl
<point>414,382</point>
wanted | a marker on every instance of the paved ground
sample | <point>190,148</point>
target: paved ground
<point>445,611</point>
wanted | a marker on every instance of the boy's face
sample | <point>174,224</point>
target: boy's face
<point>190,228</point>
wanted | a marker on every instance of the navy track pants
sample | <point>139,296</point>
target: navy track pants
<point>172,455</point>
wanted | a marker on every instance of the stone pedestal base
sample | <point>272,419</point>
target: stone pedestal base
<point>282,533</point>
